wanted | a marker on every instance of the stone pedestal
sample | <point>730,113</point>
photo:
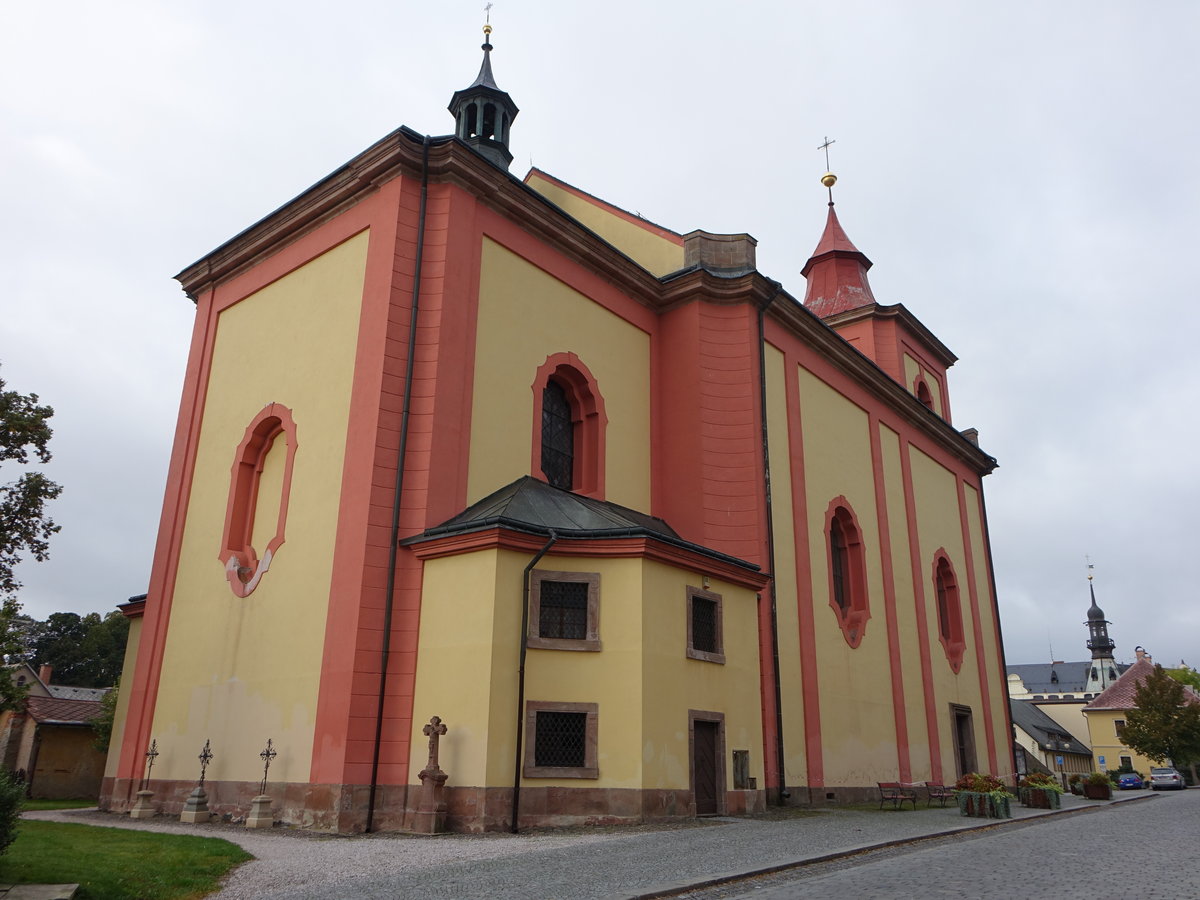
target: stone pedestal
<point>143,809</point>
<point>260,813</point>
<point>196,807</point>
<point>430,817</point>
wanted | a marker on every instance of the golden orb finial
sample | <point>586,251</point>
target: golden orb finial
<point>829,179</point>
<point>487,29</point>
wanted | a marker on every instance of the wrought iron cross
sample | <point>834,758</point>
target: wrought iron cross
<point>205,758</point>
<point>151,755</point>
<point>266,756</point>
<point>825,147</point>
<point>434,730</point>
<point>488,9</point>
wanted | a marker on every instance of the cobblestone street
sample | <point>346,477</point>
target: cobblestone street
<point>1145,850</point>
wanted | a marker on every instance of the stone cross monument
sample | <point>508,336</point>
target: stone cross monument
<point>430,817</point>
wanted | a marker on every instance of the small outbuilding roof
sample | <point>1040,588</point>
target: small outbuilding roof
<point>1049,734</point>
<point>56,711</point>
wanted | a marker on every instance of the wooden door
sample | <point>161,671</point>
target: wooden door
<point>704,766</point>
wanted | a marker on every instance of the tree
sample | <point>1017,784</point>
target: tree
<point>103,723</point>
<point>85,651</point>
<point>1186,676</point>
<point>24,526</point>
<point>1165,724</point>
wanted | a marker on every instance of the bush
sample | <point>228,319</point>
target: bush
<point>1075,779</point>
<point>1097,778</point>
<point>980,784</point>
<point>12,798</point>
<point>1041,781</point>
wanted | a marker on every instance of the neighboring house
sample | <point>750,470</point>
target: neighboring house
<point>1108,713</point>
<point>50,742</point>
<point>1041,741</point>
<point>652,536</point>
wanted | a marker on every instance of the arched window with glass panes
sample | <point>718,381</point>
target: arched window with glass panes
<point>569,426</point>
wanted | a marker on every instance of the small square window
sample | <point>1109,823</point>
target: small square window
<point>564,610</point>
<point>1120,726</point>
<point>705,640</point>
<point>560,740</point>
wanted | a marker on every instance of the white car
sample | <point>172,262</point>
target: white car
<point>1166,779</point>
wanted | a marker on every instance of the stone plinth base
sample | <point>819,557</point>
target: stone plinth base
<point>430,817</point>
<point>196,808</point>
<point>142,809</point>
<point>260,813</point>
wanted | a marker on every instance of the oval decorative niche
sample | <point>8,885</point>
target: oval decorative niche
<point>259,487</point>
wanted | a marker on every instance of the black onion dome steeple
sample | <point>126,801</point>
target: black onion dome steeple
<point>1099,642</point>
<point>483,113</point>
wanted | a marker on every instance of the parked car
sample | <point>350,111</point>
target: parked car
<point>1130,781</point>
<point>1166,779</point>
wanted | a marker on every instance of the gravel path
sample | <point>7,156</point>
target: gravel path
<point>579,864</point>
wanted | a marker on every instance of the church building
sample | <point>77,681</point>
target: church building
<point>650,535</point>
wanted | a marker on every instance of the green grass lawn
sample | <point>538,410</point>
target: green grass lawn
<point>116,864</point>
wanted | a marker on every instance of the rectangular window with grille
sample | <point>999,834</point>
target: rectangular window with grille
<point>564,610</point>
<point>560,740</point>
<point>704,625</point>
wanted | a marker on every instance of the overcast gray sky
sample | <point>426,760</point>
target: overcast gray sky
<point>1023,175</point>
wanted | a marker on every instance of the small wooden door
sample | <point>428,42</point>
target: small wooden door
<point>704,766</point>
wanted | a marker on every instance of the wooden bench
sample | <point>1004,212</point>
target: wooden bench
<point>897,794</point>
<point>938,792</point>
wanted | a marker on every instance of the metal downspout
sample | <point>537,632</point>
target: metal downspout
<point>516,800</point>
<point>762,400</point>
<point>385,650</point>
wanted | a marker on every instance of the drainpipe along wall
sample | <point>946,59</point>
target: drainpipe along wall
<point>516,801</point>
<point>385,650</point>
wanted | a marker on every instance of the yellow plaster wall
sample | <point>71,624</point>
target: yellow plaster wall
<point>229,672</point>
<point>939,527</point>
<point>641,678</point>
<point>997,681</point>
<point>122,707</point>
<point>857,720</point>
<point>787,592</point>
<point>466,665</point>
<point>525,316</point>
<point>907,624</point>
<point>674,683</point>
<point>650,250</point>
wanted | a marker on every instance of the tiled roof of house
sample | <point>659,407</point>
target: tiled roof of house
<point>1121,694</point>
<point>53,710</point>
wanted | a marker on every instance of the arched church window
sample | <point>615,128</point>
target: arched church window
<point>847,571</point>
<point>949,610</point>
<point>259,488</point>
<point>569,426</point>
<point>1112,673</point>
<point>558,436</point>
<point>923,394</point>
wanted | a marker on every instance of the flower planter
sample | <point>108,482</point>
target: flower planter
<point>1041,798</point>
<point>1097,791</point>
<point>983,806</point>
<point>1077,789</point>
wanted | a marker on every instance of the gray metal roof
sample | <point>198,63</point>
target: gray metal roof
<point>533,506</point>
<point>1072,677</point>
<point>1049,734</point>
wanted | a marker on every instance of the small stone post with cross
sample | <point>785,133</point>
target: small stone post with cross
<point>430,817</point>
<point>143,808</point>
